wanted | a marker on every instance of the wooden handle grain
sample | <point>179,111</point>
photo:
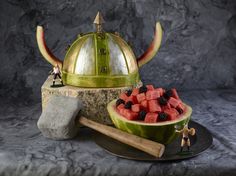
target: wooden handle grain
<point>148,146</point>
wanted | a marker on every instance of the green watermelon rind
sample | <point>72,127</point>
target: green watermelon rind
<point>163,132</point>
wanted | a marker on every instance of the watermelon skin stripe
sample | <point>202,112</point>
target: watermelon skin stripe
<point>164,134</point>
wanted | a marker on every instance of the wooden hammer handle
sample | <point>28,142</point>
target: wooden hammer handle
<point>148,146</point>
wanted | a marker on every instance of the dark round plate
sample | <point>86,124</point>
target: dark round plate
<point>200,142</point>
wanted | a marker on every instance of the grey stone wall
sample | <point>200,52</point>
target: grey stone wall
<point>198,49</point>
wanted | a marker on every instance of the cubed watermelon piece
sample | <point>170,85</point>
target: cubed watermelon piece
<point>135,92</point>
<point>144,104</point>
<point>141,97</point>
<point>121,106</point>
<point>167,106</point>
<point>131,115</point>
<point>173,102</point>
<point>136,107</point>
<point>122,111</point>
<point>151,117</point>
<point>152,95</point>
<point>123,96</point>
<point>150,87</point>
<point>180,107</point>
<point>160,90</point>
<point>133,99</point>
<point>175,94</point>
<point>154,106</point>
<point>172,113</point>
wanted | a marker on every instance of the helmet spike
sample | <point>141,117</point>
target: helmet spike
<point>98,21</point>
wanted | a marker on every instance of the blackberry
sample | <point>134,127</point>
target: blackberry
<point>128,105</point>
<point>128,92</point>
<point>119,101</point>
<point>141,115</point>
<point>180,110</point>
<point>162,116</point>
<point>162,101</point>
<point>168,94</point>
<point>143,89</point>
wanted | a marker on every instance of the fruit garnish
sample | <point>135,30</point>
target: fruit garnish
<point>128,105</point>
<point>168,94</point>
<point>162,101</point>
<point>148,126</point>
<point>175,94</point>
<point>174,102</point>
<point>162,116</point>
<point>150,104</point>
<point>136,108</point>
<point>154,106</point>
<point>172,113</point>
<point>143,89</point>
<point>179,110</point>
<point>119,101</point>
<point>141,97</point>
<point>141,115</point>
<point>128,92</point>
<point>150,87</point>
<point>151,117</point>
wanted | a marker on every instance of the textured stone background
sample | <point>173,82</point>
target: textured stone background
<point>198,52</point>
<point>198,49</point>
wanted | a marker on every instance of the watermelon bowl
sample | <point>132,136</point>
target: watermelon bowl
<point>162,132</point>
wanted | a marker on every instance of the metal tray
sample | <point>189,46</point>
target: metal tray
<point>200,142</point>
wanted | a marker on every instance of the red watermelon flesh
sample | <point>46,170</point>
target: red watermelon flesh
<point>123,96</point>
<point>136,107</point>
<point>121,106</point>
<point>122,111</point>
<point>131,115</point>
<point>150,87</point>
<point>167,106</point>
<point>144,104</point>
<point>152,95</point>
<point>173,102</point>
<point>160,90</point>
<point>135,92</point>
<point>151,117</point>
<point>181,107</point>
<point>149,102</point>
<point>154,106</point>
<point>172,113</point>
<point>141,97</point>
<point>175,94</point>
<point>133,99</point>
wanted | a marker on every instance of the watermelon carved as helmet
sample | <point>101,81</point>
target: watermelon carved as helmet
<point>100,59</point>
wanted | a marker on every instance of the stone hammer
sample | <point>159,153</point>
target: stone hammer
<point>60,120</point>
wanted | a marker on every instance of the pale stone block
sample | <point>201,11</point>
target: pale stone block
<point>58,120</point>
<point>94,100</point>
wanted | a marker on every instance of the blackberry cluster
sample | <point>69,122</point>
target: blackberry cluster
<point>162,116</point>
<point>143,89</point>
<point>180,110</point>
<point>168,94</point>
<point>162,101</point>
<point>128,92</point>
<point>119,101</point>
<point>128,105</point>
<point>141,115</point>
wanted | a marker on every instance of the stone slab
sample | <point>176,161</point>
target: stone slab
<point>94,100</point>
<point>57,121</point>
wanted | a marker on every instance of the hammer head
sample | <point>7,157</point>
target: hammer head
<point>57,121</point>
